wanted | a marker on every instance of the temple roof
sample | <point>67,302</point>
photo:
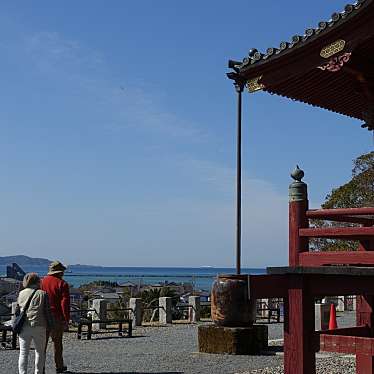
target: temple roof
<point>330,66</point>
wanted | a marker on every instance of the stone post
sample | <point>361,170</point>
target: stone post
<point>14,308</point>
<point>338,301</point>
<point>322,316</point>
<point>100,307</point>
<point>194,309</point>
<point>341,305</point>
<point>165,315</point>
<point>137,311</point>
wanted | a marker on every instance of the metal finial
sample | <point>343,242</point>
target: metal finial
<point>298,190</point>
<point>297,174</point>
<point>252,52</point>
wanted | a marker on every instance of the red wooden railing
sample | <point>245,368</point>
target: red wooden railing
<point>301,232</point>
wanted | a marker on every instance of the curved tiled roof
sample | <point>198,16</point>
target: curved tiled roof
<point>331,66</point>
<point>254,56</point>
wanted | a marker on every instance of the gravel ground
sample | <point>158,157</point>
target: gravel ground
<point>167,350</point>
<point>326,364</point>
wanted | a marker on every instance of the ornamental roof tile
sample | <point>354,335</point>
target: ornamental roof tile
<point>254,56</point>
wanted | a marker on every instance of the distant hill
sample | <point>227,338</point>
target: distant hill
<point>24,260</point>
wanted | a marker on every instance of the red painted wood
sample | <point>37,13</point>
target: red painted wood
<point>330,285</point>
<point>366,245</point>
<point>299,349</point>
<point>297,220</point>
<point>347,344</point>
<point>364,316</point>
<point>335,258</point>
<point>267,286</point>
<point>320,213</point>
<point>362,331</point>
<point>364,364</point>
<point>348,219</point>
<point>364,311</point>
<point>349,233</point>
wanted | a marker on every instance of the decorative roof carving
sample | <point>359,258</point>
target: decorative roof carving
<point>336,63</point>
<point>253,85</point>
<point>332,49</point>
<point>255,56</point>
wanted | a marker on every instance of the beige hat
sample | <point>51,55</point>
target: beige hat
<point>56,267</point>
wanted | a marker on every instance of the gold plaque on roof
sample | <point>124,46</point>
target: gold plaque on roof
<point>332,49</point>
<point>253,85</point>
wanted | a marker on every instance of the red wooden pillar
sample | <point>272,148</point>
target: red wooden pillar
<point>365,316</point>
<point>299,350</point>
<point>298,205</point>
<point>367,244</point>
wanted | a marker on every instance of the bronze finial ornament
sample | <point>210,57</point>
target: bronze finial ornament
<point>297,174</point>
<point>298,189</point>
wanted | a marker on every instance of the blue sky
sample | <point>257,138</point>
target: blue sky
<point>117,143</point>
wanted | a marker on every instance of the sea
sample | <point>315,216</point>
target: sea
<point>201,278</point>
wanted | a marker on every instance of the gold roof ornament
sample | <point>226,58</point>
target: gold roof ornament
<point>332,49</point>
<point>253,85</point>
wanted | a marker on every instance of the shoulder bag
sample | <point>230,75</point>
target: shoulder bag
<point>20,319</point>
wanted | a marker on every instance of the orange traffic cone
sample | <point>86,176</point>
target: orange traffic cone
<point>332,322</point>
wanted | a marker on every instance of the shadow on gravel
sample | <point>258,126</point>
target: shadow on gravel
<point>126,372</point>
<point>118,337</point>
<point>272,350</point>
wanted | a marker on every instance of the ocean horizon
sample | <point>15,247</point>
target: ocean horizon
<point>200,277</point>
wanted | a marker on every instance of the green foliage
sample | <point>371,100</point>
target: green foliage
<point>358,192</point>
<point>115,312</point>
<point>150,299</point>
<point>205,312</point>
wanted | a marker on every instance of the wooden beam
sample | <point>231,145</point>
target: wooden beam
<point>336,258</point>
<point>320,213</point>
<point>349,233</point>
<point>362,331</point>
<point>329,285</point>
<point>347,219</point>
<point>267,286</point>
<point>345,344</point>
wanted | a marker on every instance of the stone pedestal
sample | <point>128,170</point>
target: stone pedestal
<point>322,316</point>
<point>14,309</point>
<point>354,306</point>
<point>194,310</point>
<point>233,340</point>
<point>165,312</point>
<point>137,313</point>
<point>100,307</point>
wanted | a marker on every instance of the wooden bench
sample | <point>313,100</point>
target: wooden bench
<point>89,322</point>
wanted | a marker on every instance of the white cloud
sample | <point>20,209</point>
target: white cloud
<point>50,51</point>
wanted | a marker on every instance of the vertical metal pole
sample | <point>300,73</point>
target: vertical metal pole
<point>239,86</point>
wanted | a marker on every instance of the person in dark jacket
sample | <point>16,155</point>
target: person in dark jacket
<point>59,299</point>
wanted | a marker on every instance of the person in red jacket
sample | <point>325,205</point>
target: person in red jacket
<point>59,299</point>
